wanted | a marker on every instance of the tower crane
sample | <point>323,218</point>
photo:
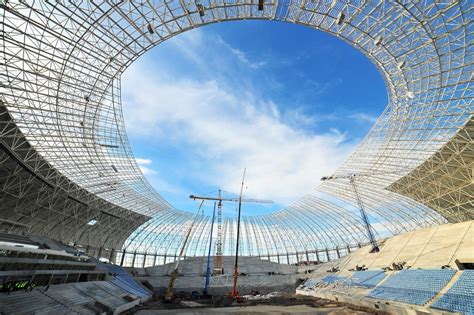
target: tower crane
<point>220,199</point>
<point>363,214</point>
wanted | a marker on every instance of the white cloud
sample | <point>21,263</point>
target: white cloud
<point>141,161</point>
<point>363,117</point>
<point>230,130</point>
<point>145,170</point>
<point>319,88</point>
<point>241,56</point>
<point>198,47</point>
<point>160,183</point>
<point>227,127</point>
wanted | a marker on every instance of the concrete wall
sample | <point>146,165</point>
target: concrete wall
<point>198,265</point>
<point>193,271</point>
<point>221,285</point>
<point>427,249</point>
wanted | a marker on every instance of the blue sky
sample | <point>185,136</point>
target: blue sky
<point>287,102</point>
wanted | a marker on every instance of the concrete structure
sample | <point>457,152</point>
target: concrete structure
<point>248,265</point>
<point>262,275</point>
<point>423,250</point>
<point>426,248</point>
<point>41,276</point>
<point>96,297</point>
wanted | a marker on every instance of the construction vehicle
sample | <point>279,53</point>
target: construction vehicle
<point>208,269</point>
<point>169,295</point>
<point>218,268</point>
<point>363,214</point>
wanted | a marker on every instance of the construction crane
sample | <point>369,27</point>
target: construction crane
<point>234,292</point>
<point>208,268</point>
<point>169,295</point>
<point>363,214</point>
<point>218,269</point>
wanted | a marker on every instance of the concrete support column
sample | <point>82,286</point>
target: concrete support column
<point>112,256</point>
<point>123,258</point>
<point>49,282</point>
<point>133,260</point>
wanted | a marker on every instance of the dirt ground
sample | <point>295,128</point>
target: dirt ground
<point>284,304</point>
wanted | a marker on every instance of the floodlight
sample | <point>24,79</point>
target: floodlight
<point>150,29</point>
<point>340,18</point>
<point>201,9</point>
<point>378,41</point>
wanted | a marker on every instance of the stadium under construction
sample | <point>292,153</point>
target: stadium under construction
<point>83,231</point>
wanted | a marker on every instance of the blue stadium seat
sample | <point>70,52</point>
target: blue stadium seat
<point>331,279</point>
<point>124,281</point>
<point>460,297</point>
<point>310,283</point>
<point>117,270</point>
<point>413,286</point>
<point>368,279</point>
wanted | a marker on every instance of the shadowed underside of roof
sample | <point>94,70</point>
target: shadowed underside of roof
<point>445,182</point>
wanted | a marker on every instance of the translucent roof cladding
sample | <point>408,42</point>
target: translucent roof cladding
<point>62,62</point>
<point>307,225</point>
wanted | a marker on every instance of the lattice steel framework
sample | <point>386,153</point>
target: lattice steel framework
<point>445,181</point>
<point>60,70</point>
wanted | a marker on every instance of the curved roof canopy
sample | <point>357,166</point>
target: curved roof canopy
<point>60,81</point>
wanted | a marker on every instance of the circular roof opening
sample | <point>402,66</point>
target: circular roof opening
<point>287,102</point>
